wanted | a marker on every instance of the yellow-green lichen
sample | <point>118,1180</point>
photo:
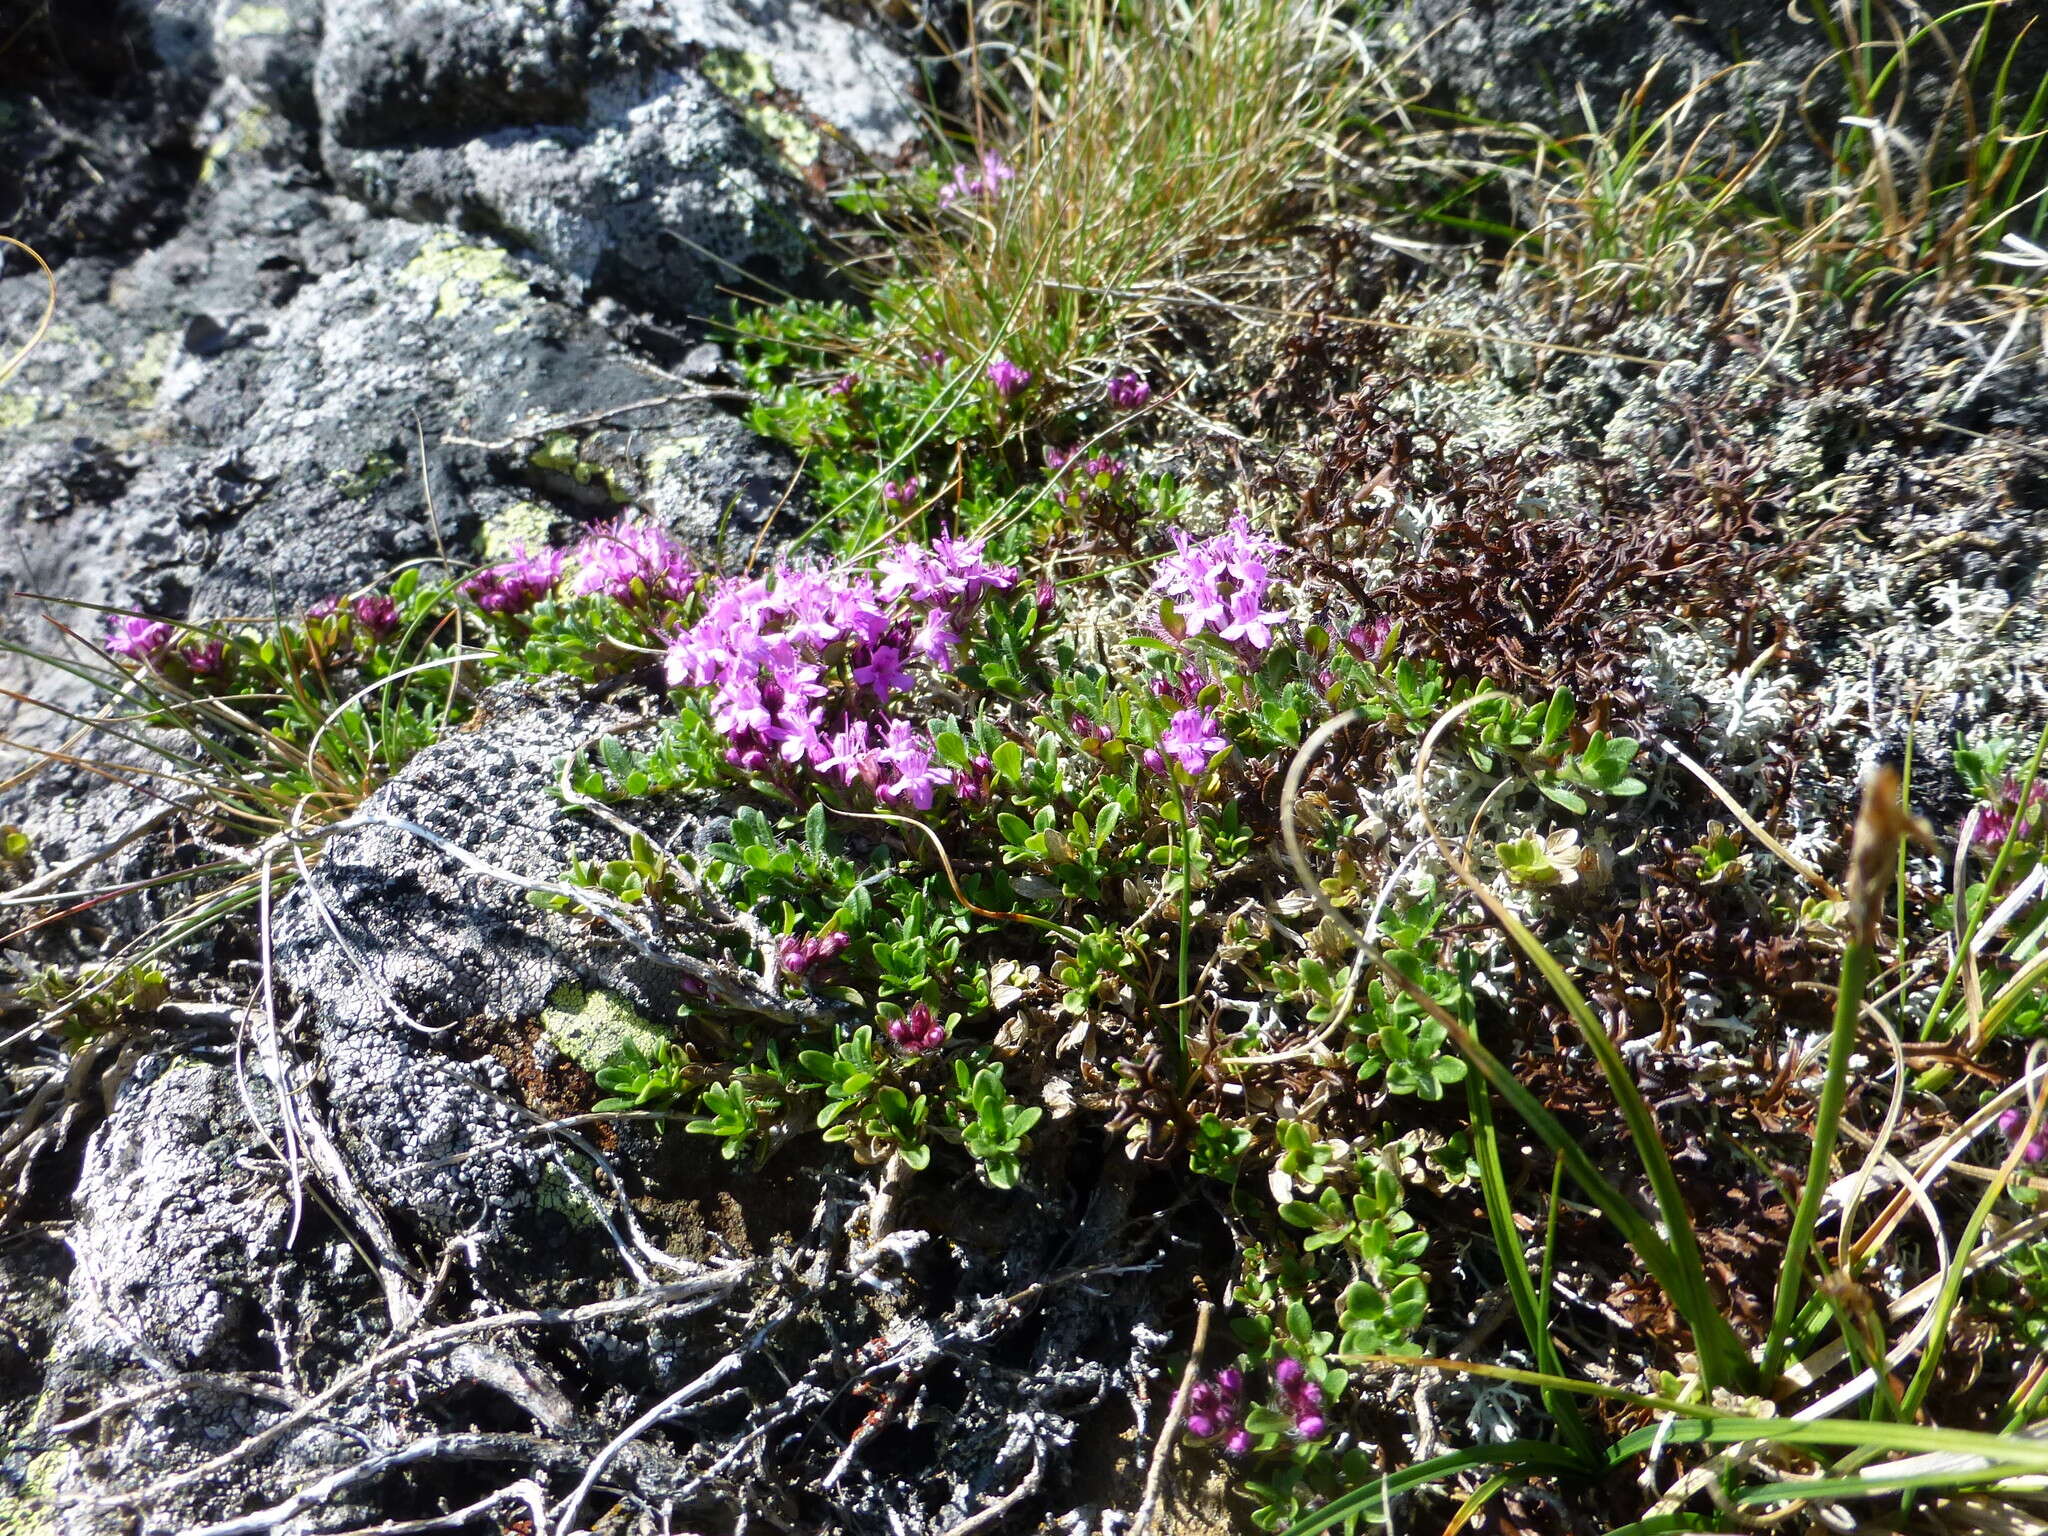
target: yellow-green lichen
<point>560,453</point>
<point>741,75</point>
<point>20,407</point>
<point>147,371</point>
<point>525,523</point>
<point>463,273</point>
<point>249,130</point>
<point>596,1028</point>
<point>375,469</point>
<point>27,1513</point>
<point>797,141</point>
<point>565,1197</point>
<point>746,77</point>
<point>255,21</point>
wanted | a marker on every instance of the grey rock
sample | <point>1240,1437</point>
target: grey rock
<point>393,74</point>
<point>1749,66</point>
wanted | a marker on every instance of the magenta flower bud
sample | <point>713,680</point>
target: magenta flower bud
<point>377,614</point>
<point>1154,762</point>
<point>1310,1395</point>
<point>1310,1426</point>
<point>901,494</point>
<point>2012,1121</point>
<point>1203,1398</point>
<point>1007,377</point>
<point>1106,731</point>
<point>1128,392</point>
<point>1239,1443</point>
<point>831,943</point>
<point>1044,596</point>
<point>1201,1426</point>
<point>206,660</point>
<point>793,955</point>
<point>326,608</point>
<point>843,385</point>
<point>1287,1374</point>
<point>2036,1149</point>
<point>1230,1381</point>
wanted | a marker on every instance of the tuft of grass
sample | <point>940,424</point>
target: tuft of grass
<point>1148,138</point>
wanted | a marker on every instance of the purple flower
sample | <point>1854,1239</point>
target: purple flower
<point>377,614</point>
<point>1221,583</point>
<point>883,672</point>
<point>326,608</point>
<point>1128,392</point>
<point>1288,1375</point>
<point>516,584</point>
<point>1007,377</point>
<point>629,561</point>
<point>134,637</point>
<point>1044,596</point>
<point>917,1033</point>
<point>1238,1442</point>
<point>854,756</point>
<point>1310,1426</point>
<point>1249,624</point>
<point>900,493</point>
<point>1192,740</point>
<point>208,660</point>
<point>844,385</point>
<point>966,186</point>
<point>1201,1426</point>
<point>918,777</point>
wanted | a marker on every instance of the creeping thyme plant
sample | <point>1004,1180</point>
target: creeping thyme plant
<point>1008,745</point>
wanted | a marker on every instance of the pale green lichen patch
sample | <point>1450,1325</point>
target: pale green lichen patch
<point>524,523</point>
<point>375,469</point>
<point>799,143</point>
<point>746,77</point>
<point>255,21</point>
<point>738,73</point>
<point>566,1197</point>
<point>20,407</point>
<point>595,1028</point>
<point>147,371</point>
<point>560,454</point>
<point>27,1513</point>
<point>464,273</point>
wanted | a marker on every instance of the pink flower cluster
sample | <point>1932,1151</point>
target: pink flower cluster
<point>1215,1408</point>
<point>802,664</point>
<point>1301,1398</point>
<point>146,642</point>
<point>515,585</point>
<point>967,187</point>
<point>1192,739</point>
<point>1007,377</point>
<point>1128,392</point>
<point>2000,821</point>
<point>1221,584</point>
<point>917,1033</point>
<point>631,561</point>
<point>797,954</point>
